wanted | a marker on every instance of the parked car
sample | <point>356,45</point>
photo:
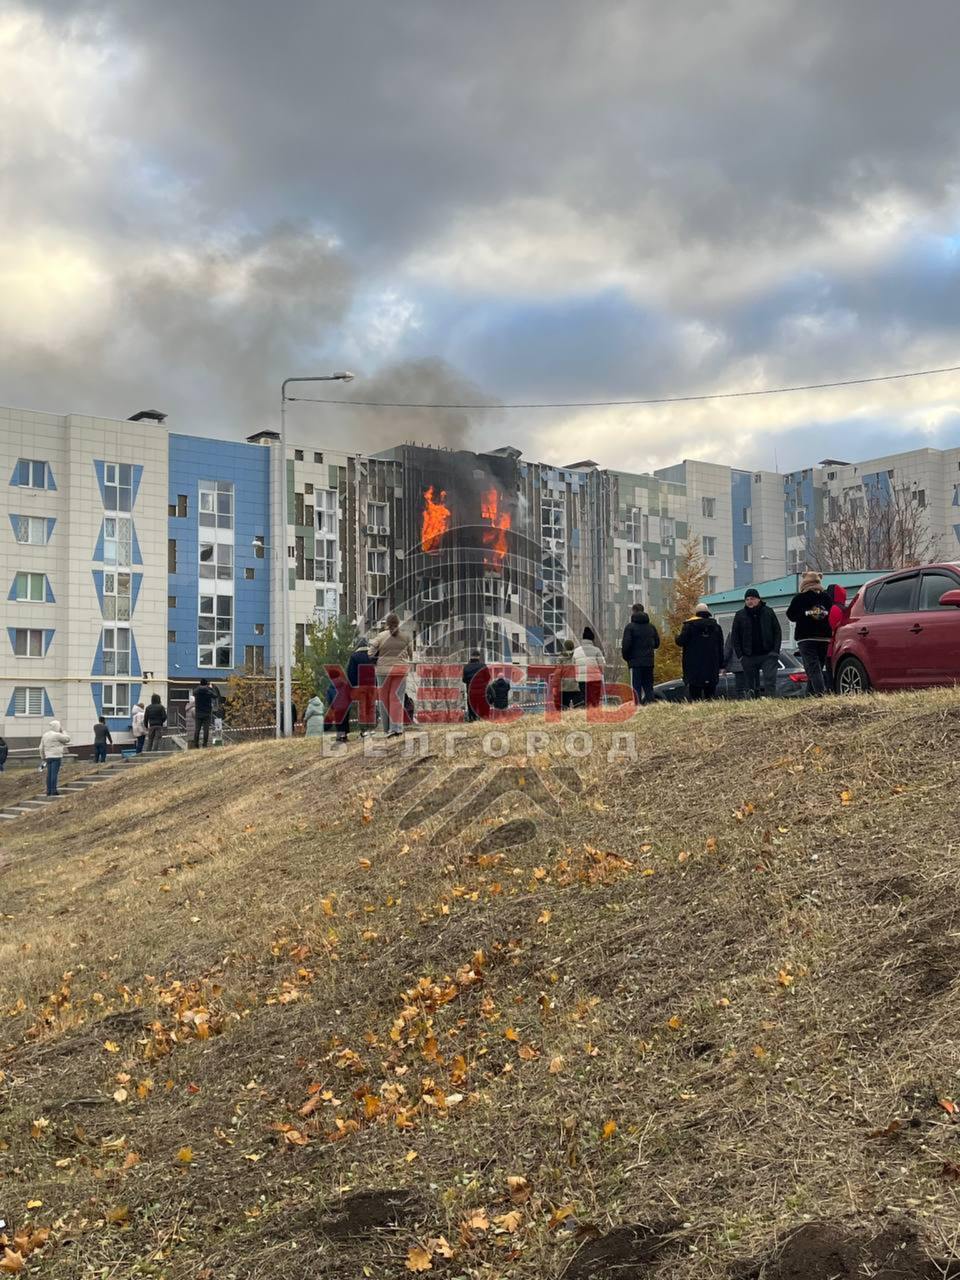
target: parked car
<point>791,683</point>
<point>902,632</point>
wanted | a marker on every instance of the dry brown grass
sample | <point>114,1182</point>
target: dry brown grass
<point>716,993</point>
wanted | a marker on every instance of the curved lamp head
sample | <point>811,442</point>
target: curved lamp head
<point>343,377</point>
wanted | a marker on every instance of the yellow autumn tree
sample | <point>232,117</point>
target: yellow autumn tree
<point>688,587</point>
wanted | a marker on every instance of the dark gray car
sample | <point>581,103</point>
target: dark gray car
<point>791,683</point>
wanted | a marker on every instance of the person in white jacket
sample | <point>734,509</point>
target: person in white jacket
<point>51,753</point>
<point>138,727</point>
<point>589,661</point>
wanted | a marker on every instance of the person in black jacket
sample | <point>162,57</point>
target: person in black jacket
<point>4,751</point>
<point>756,639</point>
<point>361,674</point>
<point>638,647</point>
<point>155,717</point>
<point>101,736</point>
<point>809,612</point>
<point>203,712</point>
<point>701,640</point>
<point>498,693</point>
<point>475,670</point>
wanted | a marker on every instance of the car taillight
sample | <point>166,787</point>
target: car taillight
<point>798,677</point>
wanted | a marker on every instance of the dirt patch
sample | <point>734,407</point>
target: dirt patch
<point>837,1251</point>
<point>626,1253</point>
<point>506,836</point>
<point>367,1211</point>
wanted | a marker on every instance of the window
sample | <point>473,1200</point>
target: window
<point>709,506</point>
<point>249,573</point>
<point>921,496</point>
<point>117,540</point>
<point>709,546</point>
<point>116,596</point>
<point>117,486</point>
<point>215,631</point>
<point>747,554</point>
<point>376,562</point>
<point>300,555</point>
<point>116,700</point>
<point>31,530</point>
<point>171,509</point>
<point>377,514</point>
<point>216,504</point>
<point>551,518</point>
<point>28,642</point>
<point>300,640</point>
<point>309,515</point>
<point>327,604</point>
<point>895,596</point>
<point>298,510</point>
<point>667,528</point>
<point>27,701</point>
<point>216,560</point>
<point>116,651</point>
<point>325,560</point>
<point>31,474</point>
<point>433,591</point>
<point>298,455</point>
<point>253,659</point>
<point>326,505</point>
<point>171,602</point>
<point>748,515</point>
<point>632,566</point>
<point>318,457</point>
<point>31,586</point>
<point>711,584</point>
<point>258,628</point>
<point>171,555</point>
<point>664,568</point>
<point>932,587</point>
<point>308,488</point>
<point>182,506</point>
<point>171,637</point>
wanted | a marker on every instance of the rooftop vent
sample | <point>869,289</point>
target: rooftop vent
<point>263,437</point>
<point>147,415</point>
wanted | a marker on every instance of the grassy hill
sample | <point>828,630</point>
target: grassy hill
<point>691,1014</point>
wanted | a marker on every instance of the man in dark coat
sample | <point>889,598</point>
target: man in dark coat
<point>203,698</point>
<point>809,611</point>
<point>498,693</point>
<point>701,640</point>
<point>475,677</point>
<point>361,674</point>
<point>638,647</point>
<point>756,639</point>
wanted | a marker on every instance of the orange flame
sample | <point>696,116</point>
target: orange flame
<point>495,537</point>
<point>436,519</point>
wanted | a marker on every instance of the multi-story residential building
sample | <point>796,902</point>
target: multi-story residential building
<point>139,559</point>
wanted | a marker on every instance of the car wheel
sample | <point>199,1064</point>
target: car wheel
<point>852,677</point>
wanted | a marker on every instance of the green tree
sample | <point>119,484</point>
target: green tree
<point>688,587</point>
<point>326,644</point>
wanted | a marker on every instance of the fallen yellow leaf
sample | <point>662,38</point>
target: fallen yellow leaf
<point>11,1262</point>
<point>118,1215</point>
<point>609,1129</point>
<point>185,1155</point>
<point>111,1046</point>
<point>556,1065</point>
<point>418,1259</point>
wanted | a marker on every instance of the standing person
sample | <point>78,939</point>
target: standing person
<point>569,685</point>
<point>733,664</point>
<point>837,617</point>
<point>701,640</point>
<point>313,717</point>
<point>809,612</point>
<point>155,717</point>
<point>475,669</point>
<point>392,649</point>
<point>589,661</point>
<point>137,726</point>
<point>361,673</point>
<point>641,640</point>
<point>51,753</point>
<point>101,736</point>
<point>756,639</point>
<point>4,752</point>
<point>203,698</point>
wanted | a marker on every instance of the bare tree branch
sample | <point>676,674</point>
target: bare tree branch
<point>873,529</point>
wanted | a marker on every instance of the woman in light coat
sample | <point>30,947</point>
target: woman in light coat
<point>51,753</point>
<point>138,727</point>
<point>190,719</point>
<point>313,717</point>
<point>589,660</point>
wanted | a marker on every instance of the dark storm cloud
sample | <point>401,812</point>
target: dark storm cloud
<point>718,169</point>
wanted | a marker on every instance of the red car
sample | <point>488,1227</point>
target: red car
<point>902,632</point>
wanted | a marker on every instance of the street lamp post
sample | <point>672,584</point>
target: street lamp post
<point>285,634</point>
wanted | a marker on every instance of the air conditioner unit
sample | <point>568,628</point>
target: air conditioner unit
<point>370,528</point>
<point>382,530</point>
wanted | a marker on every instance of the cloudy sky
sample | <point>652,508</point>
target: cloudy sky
<point>498,201</point>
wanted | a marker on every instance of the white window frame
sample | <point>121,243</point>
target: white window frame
<point>378,513</point>
<point>116,651</point>
<point>219,563</point>
<point>118,540</point>
<point>117,603</point>
<point>216,639</point>
<point>31,525</point>
<point>31,482</point>
<point>378,560</point>
<point>33,638</point>
<point>709,546</point>
<point>709,508</point>
<point>216,504</point>
<point>747,553</point>
<point>116,699</point>
<point>28,691</point>
<point>30,576</point>
<point>118,486</point>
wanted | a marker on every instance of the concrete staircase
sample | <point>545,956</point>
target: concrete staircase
<point>85,782</point>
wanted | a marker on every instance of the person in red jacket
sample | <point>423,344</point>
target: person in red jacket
<point>837,617</point>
